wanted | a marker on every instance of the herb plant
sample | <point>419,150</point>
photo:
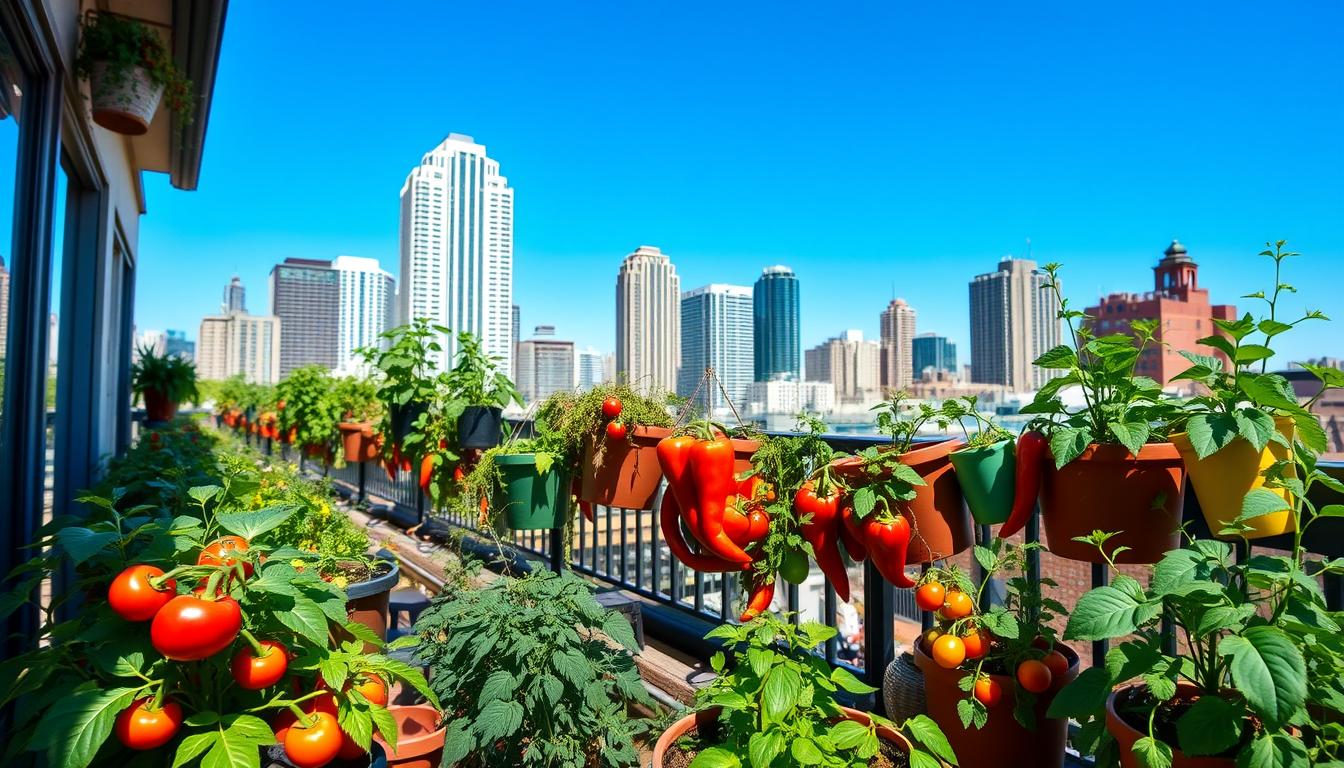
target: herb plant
<point>577,418</point>
<point>407,385</point>
<point>476,379</point>
<point>170,375</point>
<point>310,406</point>
<point>124,44</point>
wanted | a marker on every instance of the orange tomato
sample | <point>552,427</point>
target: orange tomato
<point>373,689</point>
<point>929,597</point>
<point>988,691</point>
<point>1058,664</point>
<point>957,605</point>
<point>949,651</point>
<point>1034,676</point>
<point>976,642</point>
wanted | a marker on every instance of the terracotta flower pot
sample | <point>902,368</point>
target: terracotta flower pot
<point>1002,734</point>
<point>158,407</point>
<point>628,475</point>
<point>1125,735</point>
<point>1107,489</point>
<point>939,523</point>
<point>419,737</point>
<point>319,452</point>
<point>1222,480</point>
<point>687,724</point>
<point>358,442</point>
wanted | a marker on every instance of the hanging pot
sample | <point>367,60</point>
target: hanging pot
<point>1002,735</point>
<point>530,500</point>
<point>903,688</point>
<point>708,719</point>
<point>124,102</point>
<point>158,407</point>
<point>358,442</point>
<point>939,524</point>
<point>1106,489</point>
<point>1222,480</point>
<point>628,475</point>
<point>480,427</point>
<point>1125,734</point>
<point>986,475</point>
<point>403,418</point>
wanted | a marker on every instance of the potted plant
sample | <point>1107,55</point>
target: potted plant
<point>906,502</point>
<point>483,391</point>
<point>1112,468</point>
<point>163,381</point>
<point>129,69</point>
<point>532,665</point>
<point>611,433</point>
<point>990,676</point>
<point>360,409</point>
<point>777,704</point>
<point>1244,421</point>
<point>311,410</point>
<point>521,484</point>
<point>986,465</point>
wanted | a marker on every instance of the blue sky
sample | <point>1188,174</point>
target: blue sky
<point>879,149</point>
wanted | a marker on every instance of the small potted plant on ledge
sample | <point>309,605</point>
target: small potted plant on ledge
<point>483,390</point>
<point>1112,468</point>
<point>986,465</point>
<point>129,69</point>
<point>406,382</point>
<point>521,485</point>
<point>357,401</point>
<point>776,704</point>
<point>164,381</point>
<point>310,411</point>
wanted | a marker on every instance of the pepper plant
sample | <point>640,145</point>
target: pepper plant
<point>777,704</point>
<point>419,417</point>
<point>310,407</point>
<point>476,379</point>
<point>172,376</point>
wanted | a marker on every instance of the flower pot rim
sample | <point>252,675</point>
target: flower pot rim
<point>966,449</point>
<point>414,746</point>
<point>920,453</point>
<point>515,459</point>
<point>377,582</point>
<point>686,724</point>
<point>1115,721</point>
<point>1114,453</point>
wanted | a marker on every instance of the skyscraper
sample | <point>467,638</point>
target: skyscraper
<point>716,332</point>
<point>4,309</point>
<point>648,321</point>
<point>929,350</point>
<point>545,365</point>
<point>591,368</point>
<point>1013,322</point>
<point>367,293</point>
<point>897,325</point>
<point>778,346</point>
<point>235,298</point>
<point>515,324</point>
<point>239,343</point>
<point>457,248</point>
<point>176,343</point>
<point>306,296</point>
<point>850,363</point>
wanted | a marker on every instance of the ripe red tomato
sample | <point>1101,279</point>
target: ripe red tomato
<point>615,430</point>
<point>976,642</point>
<point>255,672</point>
<point>988,691</point>
<point>949,651</point>
<point>957,605</point>
<point>929,597</point>
<point>1034,676</point>
<point>316,744</point>
<point>324,703</point>
<point>611,407</point>
<point>282,723</point>
<point>222,551</point>
<point>134,598</point>
<point>140,727</point>
<point>190,628</point>
<point>1057,663</point>
<point>373,689</point>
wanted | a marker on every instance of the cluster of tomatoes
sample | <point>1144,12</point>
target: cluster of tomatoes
<point>197,626</point>
<point>611,411</point>
<point>962,640</point>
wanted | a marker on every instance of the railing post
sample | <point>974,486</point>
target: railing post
<point>557,536</point>
<point>879,643</point>
<point>1100,578</point>
<point>363,465</point>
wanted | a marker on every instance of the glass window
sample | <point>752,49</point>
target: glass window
<point>12,85</point>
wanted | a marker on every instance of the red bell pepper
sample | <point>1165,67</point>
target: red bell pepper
<point>1032,453</point>
<point>851,533</point>
<point>888,542</point>
<point>711,469</point>
<point>822,531</point>
<point>745,523</point>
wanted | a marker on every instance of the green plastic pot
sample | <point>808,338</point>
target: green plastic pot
<point>531,500</point>
<point>987,480</point>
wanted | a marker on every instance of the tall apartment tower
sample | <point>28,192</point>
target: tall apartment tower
<point>1013,322</point>
<point>716,332</point>
<point>4,307</point>
<point>850,363</point>
<point>648,321</point>
<point>306,296</point>
<point>777,338</point>
<point>590,365</point>
<point>237,342</point>
<point>367,294</point>
<point>930,350</point>
<point>897,326</point>
<point>545,365</point>
<point>457,248</point>
<point>235,297</point>
<point>515,325</point>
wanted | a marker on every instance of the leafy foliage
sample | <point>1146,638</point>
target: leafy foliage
<point>784,464</point>
<point>476,379</point>
<point>171,375</point>
<point>124,44</point>
<point>310,406</point>
<point>537,673</point>
<point>577,418</point>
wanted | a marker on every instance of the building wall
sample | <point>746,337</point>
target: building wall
<point>929,350</point>
<point>850,364</point>
<point>239,343</point>
<point>648,321</point>
<point>897,326</point>
<point>590,366</point>
<point>545,366</point>
<point>306,296</point>
<point>776,325</point>
<point>367,294</point>
<point>717,332</point>
<point>1013,322</point>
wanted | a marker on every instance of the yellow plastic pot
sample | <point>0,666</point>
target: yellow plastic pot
<point>1221,481</point>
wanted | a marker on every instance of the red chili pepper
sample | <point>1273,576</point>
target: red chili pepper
<point>711,468</point>
<point>888,542</point>
<point>426,472</point>
<point>669,520</point>
<point>762,595</point>
<point>851,533</point>
<point>1032,452</point>
<point>822,531</point>
<point>674,458</point>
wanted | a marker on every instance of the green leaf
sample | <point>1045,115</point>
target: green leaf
<point>764,746</point>
<point>1066,443</point>
<point>458,741</point>
<point>1210,433</point>
<point>1212,725</point>
<point>203,493</point>
<point>1001,623</point>
<point>306,618</point>
<point>77,725</point>
<point>237,744</point>
<point>1269,672</point>
<point>1086,695</point>
<point>1057,358</point>
<point>501,684</point>
<point>714,757</point>
<point>1101,614</point>
<point>923,730</point>
<point>1251,353</point>
<point>781,692</point>
<point>805,751</point>
<point>865,500</point>
<point>846,680</point>
<point>846,734</point>
<point>499,719</point>
<point>81,543</point>
<point>1176,568</point>
<point>1255,426</point>
<point>1152,753</point>
<point>193,746</point>
<point>1274,750</point>
<point>1131,434</point>
<point>250,525</point>
<point>1261,501</point>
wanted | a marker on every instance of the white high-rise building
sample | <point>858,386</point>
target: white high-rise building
<point>367,293</point>
<point>648,321</point>
<point>545,365</point>
<point>590,368</point>
<point>457,247</point>
<point>898,332</point>
<point>717,332</point>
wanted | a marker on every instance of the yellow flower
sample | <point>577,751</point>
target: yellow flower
<point>324,509</point>
<point>296,562</point>
<point>340,581</point>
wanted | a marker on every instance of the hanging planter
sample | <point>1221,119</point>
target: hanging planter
<point>628,475</point>
<point>480,427</point>
<point>130,71</point>
<point>528,499</point>
<point>358,441</point>
<point>1107,489</point>
<point>986,474</point>
<point>124,102</point>
<point>1222,480</point>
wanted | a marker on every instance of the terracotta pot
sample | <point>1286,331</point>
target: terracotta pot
<point>319,452</point>
<point>368,602</point>
<point>1125,735</point>
<point>419,737</point>
<point>629,474</point>
<point>358,442</point>
<point>940,526</point>
<point>1222,480</point>
<point>1106,489</point>
<point>158,407</point>
<point>1002,734</point>
<point>686,724</point>
<point>125,103</point>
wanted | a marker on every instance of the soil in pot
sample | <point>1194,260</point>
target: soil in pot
<point>987,477</point>
<point>530,500</point>
<point>668,753</point>
<point>1124,721</point>
<point>1221,481</point>
<point>1107,489</point>
<point>1002,735</point>
<point>940,526</point>
<point>622,473</point>
<point>480,427</point>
